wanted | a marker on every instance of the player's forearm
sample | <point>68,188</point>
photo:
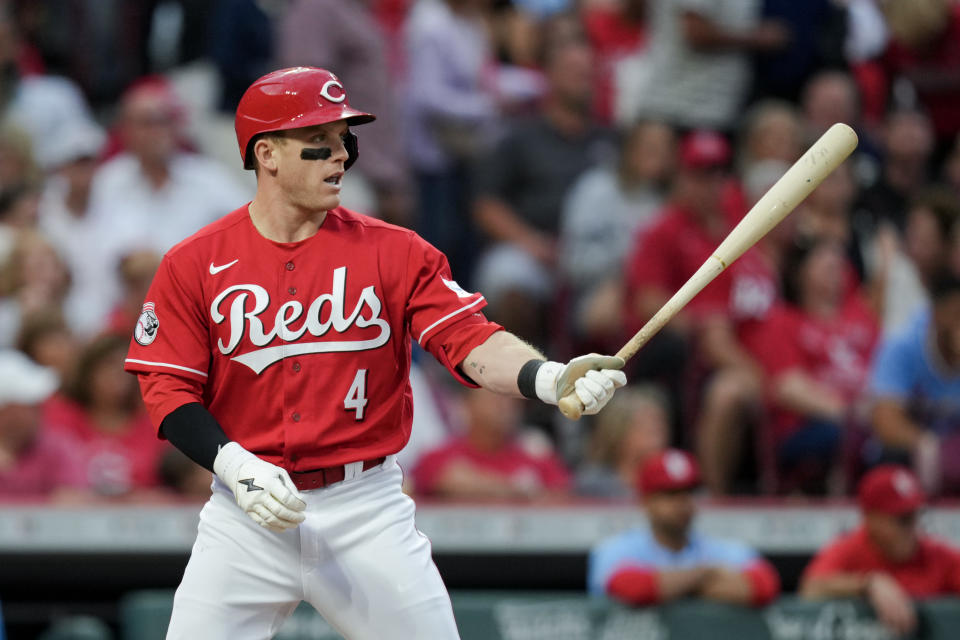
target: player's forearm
<point>680,582</point>
<point>194,431</point>
<point>839,585</point>
<point>732,587</point>
<point>495,364</point>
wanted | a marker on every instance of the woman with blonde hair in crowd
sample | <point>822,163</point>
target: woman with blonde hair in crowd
<point>33,276</point>
<point>631,429</point>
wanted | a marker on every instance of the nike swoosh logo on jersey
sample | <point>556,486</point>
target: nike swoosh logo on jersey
<point>215,270</point>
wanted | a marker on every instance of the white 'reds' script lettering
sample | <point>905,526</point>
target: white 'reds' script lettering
<point>241,315</point>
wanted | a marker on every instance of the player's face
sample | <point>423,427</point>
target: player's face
<point>671,511</point>
<point>313,185</point>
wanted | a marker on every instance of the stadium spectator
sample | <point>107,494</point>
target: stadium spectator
<point>353,44</point>
<point>183,476</point>
<point>602,212</point>
<point>633,428</point>
<point>829,97</point>
<point>719,323</point>
<point>771,130</point>
<point>671,561</point>
<point>136,270</point>
<point>492,459</point>
<point>914,386</point>
<point>32,277</point>
<point>153,194</point>
<point>35,462</point>
<point>697,70</point>
<point>117,446</point>
<point>905,171</point>
<point>521,184</point>
<point>923,52</point>
<point>906,268</point>
<point>815,351</point>
<point>616,31</point>
<point>886,560</point>
<point>46,339</point>
<point>450,116</point>
<point>65,219</point>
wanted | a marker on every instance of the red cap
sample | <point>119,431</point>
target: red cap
<point>671,470</point>
<point>891,489</point>
<point>703,150</point>
<point>290,99</point>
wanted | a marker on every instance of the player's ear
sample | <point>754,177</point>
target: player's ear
<point>265,152</point>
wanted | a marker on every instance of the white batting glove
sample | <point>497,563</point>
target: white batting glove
<point>263,490</point>
<point>594,378</point>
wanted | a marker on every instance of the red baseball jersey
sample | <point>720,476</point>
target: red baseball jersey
<point>933,571</point>
<point>302,350</point>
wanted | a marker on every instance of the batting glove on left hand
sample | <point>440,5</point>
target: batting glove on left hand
<point>263,490</point>
<point>593,378</point>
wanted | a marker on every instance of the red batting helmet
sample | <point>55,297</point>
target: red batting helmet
<point>290,99</point>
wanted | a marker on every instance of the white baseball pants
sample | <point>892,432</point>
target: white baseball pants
<point>357,558</point>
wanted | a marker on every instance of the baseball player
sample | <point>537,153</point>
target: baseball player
<point>274,350</point>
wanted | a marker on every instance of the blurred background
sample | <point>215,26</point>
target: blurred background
<point>576,160</point>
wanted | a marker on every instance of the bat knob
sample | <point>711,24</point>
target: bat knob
<point>570,406</point>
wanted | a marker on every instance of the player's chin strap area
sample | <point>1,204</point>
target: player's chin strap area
<point>324,153</point>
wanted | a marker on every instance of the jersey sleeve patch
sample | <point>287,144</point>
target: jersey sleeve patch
<point>148,324</point>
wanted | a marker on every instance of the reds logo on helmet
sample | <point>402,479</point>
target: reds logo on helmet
<point>290,99</point>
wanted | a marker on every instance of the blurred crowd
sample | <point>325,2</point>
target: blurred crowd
<point>576,160</point>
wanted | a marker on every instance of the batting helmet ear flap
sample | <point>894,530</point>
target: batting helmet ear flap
<point>350,143</point>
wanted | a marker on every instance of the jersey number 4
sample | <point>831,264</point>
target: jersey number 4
<point>356,399</point>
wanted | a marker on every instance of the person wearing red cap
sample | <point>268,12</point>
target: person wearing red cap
<point>886,560</point>
<point>274,349</point>
<point>720,322</point>
<point>670,560</point>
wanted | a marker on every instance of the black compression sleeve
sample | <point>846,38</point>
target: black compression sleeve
<point>194,430</point>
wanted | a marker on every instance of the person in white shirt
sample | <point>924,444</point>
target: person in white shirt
<point>155,193</point>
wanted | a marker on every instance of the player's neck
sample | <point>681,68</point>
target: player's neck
<point>284,223</point>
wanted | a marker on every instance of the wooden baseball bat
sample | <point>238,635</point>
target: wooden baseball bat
<point>825,155</point>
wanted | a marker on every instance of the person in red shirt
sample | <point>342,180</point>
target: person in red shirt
<point>886,560</point>
<point>274,349</point>
<point>815,351</point>
<point>117,446</point>
<point>704,205</point>
<point>491,460</point>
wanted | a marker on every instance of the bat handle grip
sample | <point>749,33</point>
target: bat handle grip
<point>570,406</point>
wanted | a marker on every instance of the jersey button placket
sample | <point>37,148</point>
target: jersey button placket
<point>290,266</point>
<point>296,367</point>
<point>295,417</point>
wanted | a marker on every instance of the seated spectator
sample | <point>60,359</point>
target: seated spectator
<point>905,171</point>
<point>520,188</point>
<point>772,130</point>
<point>602,212</point>
<point>491,460</point>
<point>35,462</point>
<point>65,218</point>
<point>47,340</point>
<point>914,386</point>
<point>184,476</point>
<point>118,446</point>
<point>154,194</point>
<point>815,351</point>
<point>634,427</point>
<point>906,267</point>
<point>886,560</point>
<point>33,277</point>
<point>717,324</point>
<point>671,561</point>
<point>136,271</point>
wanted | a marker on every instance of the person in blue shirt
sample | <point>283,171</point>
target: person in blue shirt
<point>915,387</point>
<point>670,560</point>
